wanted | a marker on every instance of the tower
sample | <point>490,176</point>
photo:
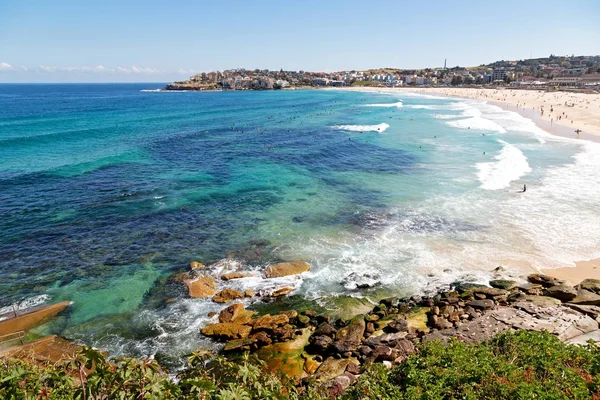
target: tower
<point>444,64</point>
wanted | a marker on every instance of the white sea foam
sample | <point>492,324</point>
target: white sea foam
<point>364,128</point>
<point>25,304</point>
<point>473,119</point>
<point>151,90</point>
<point>510,165</point>
<point>397,105</point>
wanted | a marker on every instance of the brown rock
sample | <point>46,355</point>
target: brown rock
<point>239,344</point>
<point>227,330</point>
<point>310,365</point>
<point>291,314</point>
<point>211,314</point>
<point>236,313</point>
<point>196,265</point>
<point>561,292</point>
<point>285,269</point>
<point>586,297</point>
<point>235,275</point>
<point>282,291</point>
<point>262,338</point>
<point>201,288</point>
<point>249,293</point>
<point>593,285</point>
<point>544,280</point>
<point>481,304</point>
<point>227,295</point>
<point>270,322</point>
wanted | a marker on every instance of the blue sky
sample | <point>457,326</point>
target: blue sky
<point>143,41</point>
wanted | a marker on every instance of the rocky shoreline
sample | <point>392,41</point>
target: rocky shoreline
<point>308,346</point>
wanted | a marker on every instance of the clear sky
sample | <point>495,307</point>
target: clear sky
<point>143,41</point>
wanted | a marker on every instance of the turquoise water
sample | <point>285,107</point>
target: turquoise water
<point>107,190</point>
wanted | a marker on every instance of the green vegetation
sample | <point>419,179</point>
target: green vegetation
<point>366,83</point>
<point>524,365</point>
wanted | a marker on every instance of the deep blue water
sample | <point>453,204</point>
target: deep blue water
<point>106,191</point>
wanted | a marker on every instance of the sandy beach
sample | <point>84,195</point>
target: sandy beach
<point>570,111</point>
<point>563,113</point>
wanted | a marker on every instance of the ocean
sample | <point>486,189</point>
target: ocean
<point>109,190</point>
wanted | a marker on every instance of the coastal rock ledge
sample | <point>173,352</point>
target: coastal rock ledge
<point>309,345</point>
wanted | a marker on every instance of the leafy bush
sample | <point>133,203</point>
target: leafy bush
<point>523,365</point>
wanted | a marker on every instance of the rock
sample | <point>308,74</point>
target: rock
<point>583,339</point>
<point>286,357</point>
<point>592,311</point>
<point>282,291</point>
<point>321,344</point>
<point>303,320</point>
<point>236,313</point>
<point>481,304</point>
<point>309,313</point>
<point>503,284</point>
<point>441,323</point>
<point>310,365</point>
<point>544,280</point>
<point>542,301</point>
<point>235,275</point>
<point>270,322</point>
<point>211,314</point>
<point>399,325</point>
<point>331,368</point>
<point>561,292</point>
<point>372,318</point>
<point>201,288</point>
<point>249,293</point>
<point>586,297</point>
<point>285,269</point>
<point>461,287</point>
<point>357,280</point>
<point>239,344</point>
<point>227,295</point>
<point>351,335</point>
<point>381,353</point>
<point>338,386</point>
<point>417,319</point>
<point>227,330</point>
<point>291,314</point>
<point>325,329</point>
<point>261,338</point>
<point>531,289</point>
<point>593,285</point>
<point>390,302</point>
<point>196,265</point>
<point>489,292</point>
<point>386,339</point>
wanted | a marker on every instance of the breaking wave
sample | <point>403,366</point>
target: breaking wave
<point>363,128</point>
<point>510,165</point>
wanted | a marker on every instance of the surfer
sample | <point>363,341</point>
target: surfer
<point>524,188</point>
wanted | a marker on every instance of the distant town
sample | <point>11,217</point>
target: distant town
<point>581,72</point>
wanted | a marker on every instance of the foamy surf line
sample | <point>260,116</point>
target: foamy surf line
<point>398,104</point>
<point>363,128</point>
<point>510,165</point>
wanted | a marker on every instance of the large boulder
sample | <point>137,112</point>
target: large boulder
<point>285,269</point>
<point>332,368</point>
<point>201,288</point>
<point>593,285</point>
<point>227,330</point>
<point>235,275</point>
<point>282,291</point>
<point>350,337</point>
<point>544,280</point>
<point>586,297</point>
<point>270,322</point>
<point>236,313</point>
<point>286,357</point>
<point>227,295</point>
<point>503,284</point>
<point>561,292</point>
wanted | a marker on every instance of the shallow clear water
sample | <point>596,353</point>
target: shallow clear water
<point>106,191</point>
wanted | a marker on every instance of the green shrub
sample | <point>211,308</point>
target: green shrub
<point>523,365</point>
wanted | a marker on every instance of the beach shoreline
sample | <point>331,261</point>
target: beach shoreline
<point>509,100</point>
